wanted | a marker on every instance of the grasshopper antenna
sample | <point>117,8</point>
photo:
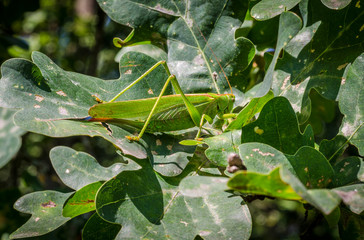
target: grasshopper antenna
<point>218,62</point>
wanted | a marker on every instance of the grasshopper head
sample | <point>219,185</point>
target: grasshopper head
<point>225,103</point>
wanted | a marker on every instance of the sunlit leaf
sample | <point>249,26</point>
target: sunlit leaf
<point>351,99</point>
<point>78,169</point>
<point>261,158</point>
<point>194,32</point>
<point>159,210</point>
<point>267,9</point>
<point>311,58</point>
<point>46,209</point>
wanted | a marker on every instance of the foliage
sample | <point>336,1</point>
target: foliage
<point>298,128</point>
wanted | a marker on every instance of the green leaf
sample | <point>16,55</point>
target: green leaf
<point>262,159</point>
<point>201,186</point>
<point>50,98</point>
<point>10,140</point>
<point>277,126</point>
<point>198,25</point>
<point>46,209</point>
<point>353,196</point>
<point>147,49</point>
<point>269,184</point>
<point>200,164</point>
<point>98,229</point>
<point>312,168</point>
<point>323,113</point>
<point>336,4</point>
<point>267,9</point>
<point>351,98</point>
<point>167,156</point>
<point>220,146</point>
<point>248,112</point>
<point>350,225</point>
<point>47,95</point>
<point>158,209</point>
<point>289,25</point>
<point>333,218</point>
<point>264,35</point>
<point>348,171</point>
<point>79,169</point>
<point>82,201</point>
<point>333,148</point>
<point>311,58</point>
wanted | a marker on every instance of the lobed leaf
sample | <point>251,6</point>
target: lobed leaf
<point>267,9</point>
<point>289,25</point>
<point>351,98</point>
<point>79,169</point>
<point>159,210</point>
<point>333,148</point>
<point>277,126</point>
<point>269,184</point>
<point>52,102</point>
<point>10,140</point>
<point>254,106</point>
<point>312,168</point>
<point>220,146</point>
<point>336,4</point>
<point>194,31</point>
<point>82,201</point>
<point>261,158</point>
<point>46,209</point>
<point>348,171</point>
<point>311,57</point>
<point>98,229</point>
<point>353,196</point>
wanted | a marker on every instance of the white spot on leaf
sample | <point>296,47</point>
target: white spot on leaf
<point>61,93</point>
<point>347,129</point>
<point>181,46</point>
<point>262,153</point>
<point>198,60</point>
<point>205,233</point>
<point>116,168</point>
<point>343,80</point>
<point>39,98</point>
<point>62,111</point>
<point>284,85</point>
<point>185,223</point>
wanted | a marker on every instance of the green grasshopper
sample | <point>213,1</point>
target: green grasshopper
<point>163,113</point>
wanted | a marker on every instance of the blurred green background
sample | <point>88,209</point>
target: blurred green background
<point>77,36</point>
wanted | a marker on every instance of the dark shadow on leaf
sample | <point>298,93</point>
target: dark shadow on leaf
<point>37,78</point>
<point>141,187</point>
